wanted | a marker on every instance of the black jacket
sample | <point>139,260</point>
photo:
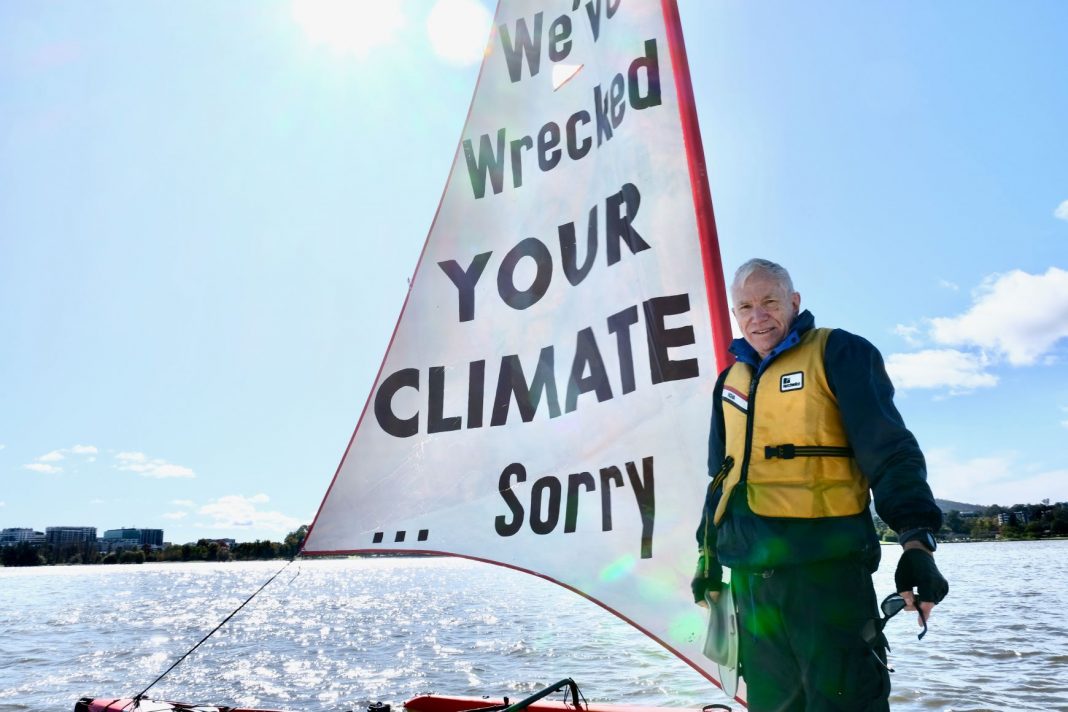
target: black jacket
<point>885,450</point>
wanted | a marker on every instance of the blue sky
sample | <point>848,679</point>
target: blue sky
<point>209,213</point>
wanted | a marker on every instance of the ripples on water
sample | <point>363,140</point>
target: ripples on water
<point>336,635</point>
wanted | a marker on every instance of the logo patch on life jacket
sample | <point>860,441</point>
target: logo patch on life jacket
<point>792,381</point>
<point>736,398</point>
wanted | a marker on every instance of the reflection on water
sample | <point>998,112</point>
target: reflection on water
<point>336,635</point>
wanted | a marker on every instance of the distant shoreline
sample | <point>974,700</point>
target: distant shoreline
<point>987,541</point>
<point>402,556</point>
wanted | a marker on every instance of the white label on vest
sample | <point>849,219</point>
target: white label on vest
<point>792,382</point>
<point>736,399</point>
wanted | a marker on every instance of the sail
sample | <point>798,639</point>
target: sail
<point>544,401</point>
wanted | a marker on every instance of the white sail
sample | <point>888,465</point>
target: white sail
<point>544,401</point>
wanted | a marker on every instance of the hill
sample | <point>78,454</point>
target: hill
<point>947,504</point>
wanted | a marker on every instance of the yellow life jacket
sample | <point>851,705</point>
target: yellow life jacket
<point>784,434</point>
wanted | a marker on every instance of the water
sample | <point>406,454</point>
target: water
<point>336,635</point>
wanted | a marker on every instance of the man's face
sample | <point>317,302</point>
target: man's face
<point>764,311</point>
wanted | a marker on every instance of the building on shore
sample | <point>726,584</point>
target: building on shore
<point>14,536</point>
<point>129,538</point>
<point>58,537</point>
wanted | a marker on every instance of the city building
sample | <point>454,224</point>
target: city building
<point>15,535</point>
<point>1019,518</point>
<point>58,537</point>
<point>130,538</point>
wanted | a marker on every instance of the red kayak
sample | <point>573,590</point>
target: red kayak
<point>450,703</point>
<point>572,701</point>
<point>126,704</point>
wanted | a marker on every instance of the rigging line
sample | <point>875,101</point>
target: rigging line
<point>137,698</point>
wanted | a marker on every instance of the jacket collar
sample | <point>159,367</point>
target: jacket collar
<point>748,355</point>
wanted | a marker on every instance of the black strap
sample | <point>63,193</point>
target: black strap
<point>789,452</point>
<point>724,470</point>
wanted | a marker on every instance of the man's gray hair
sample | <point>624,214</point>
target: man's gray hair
<point>772,269</point>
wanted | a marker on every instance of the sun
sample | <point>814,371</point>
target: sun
<point>349,26</point>
<point>457,30</point>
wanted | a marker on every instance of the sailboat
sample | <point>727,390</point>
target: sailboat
<point>543,402</point>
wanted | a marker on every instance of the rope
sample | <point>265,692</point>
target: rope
<point>137,698</point>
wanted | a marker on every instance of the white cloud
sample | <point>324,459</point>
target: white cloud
<point>939,368</point>
<point>175,515</point>
<point>1061,211</point>
<point>1016,315</point>
<point>43,468</point>
<point>946,284</point>
<point>993,479</point>
<point>41,464</point>
<point>155,468</point>
<point>237,512</point>
<point>183,502</point>
<point>164,470</point>
<point>909,333</point>
<point>2,446</point>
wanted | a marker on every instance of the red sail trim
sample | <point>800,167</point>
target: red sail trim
<point>702,196</point>
<point>411,283</point>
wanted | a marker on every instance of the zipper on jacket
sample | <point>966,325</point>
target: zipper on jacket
<point>724,470</point>
<point>749,416</point>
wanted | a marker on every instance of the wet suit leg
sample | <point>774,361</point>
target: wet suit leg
<point>800,641</point>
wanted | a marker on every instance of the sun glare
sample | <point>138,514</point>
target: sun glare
<point>458,29</point>
<point>349,26</point>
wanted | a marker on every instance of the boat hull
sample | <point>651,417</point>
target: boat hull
<point>421,703</point>
<point>455,703</point>
<point>110,704</point>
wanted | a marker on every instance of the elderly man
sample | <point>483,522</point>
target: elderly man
<point>803,428</point>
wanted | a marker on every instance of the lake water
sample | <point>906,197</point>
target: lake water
<point>336,635</point>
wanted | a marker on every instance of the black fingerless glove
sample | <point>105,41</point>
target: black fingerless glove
<point>917,569</point>
<point>708,577</point>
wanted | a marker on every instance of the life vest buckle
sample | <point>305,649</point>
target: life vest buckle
<point>785,452</point>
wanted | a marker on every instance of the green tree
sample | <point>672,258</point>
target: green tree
<point>21,554</point>
<point>1012,531</point>
<point>293,541</point>
<point>955,522</point>
<point>1035,530</point>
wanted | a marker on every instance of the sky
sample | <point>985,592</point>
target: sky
<point>209,214</point>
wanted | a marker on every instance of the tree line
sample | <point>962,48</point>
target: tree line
<point>1020,521</point>
<point>24,554</point>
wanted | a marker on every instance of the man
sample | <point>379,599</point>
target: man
<point>803,428</point>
